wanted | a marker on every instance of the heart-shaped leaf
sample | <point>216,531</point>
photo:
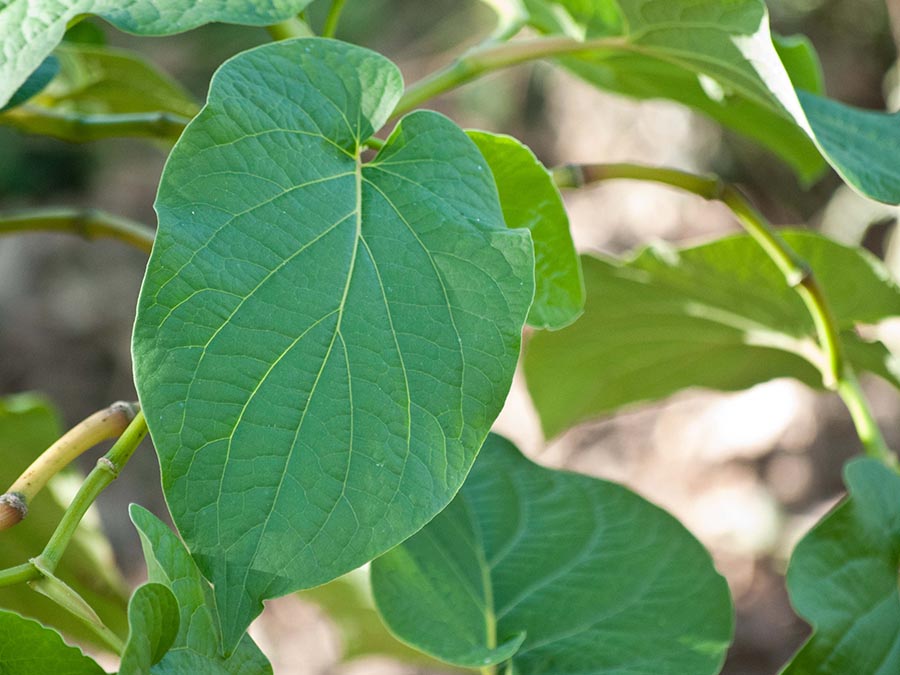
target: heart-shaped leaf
<point>27,648</point>
<point>31,29</point>
<point>152,627</point>
<point>567,574</point>
<point>843,579</point>
<point>321,344</point>
<point>719,315</point>
<point>198,645</point>
<point>530,199</point>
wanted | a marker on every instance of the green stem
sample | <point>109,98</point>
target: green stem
<point>82,128</point>
<point>837,373</point>
<point>333,18</point>
<point>104,473</point>
<point>88,223</point>
<point>18,574</point>
<point>294,27</point>
<point>102,425</point>
<point>492,56</point>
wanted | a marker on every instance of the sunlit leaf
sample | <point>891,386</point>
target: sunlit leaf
<point>719,315</point>
<point>31,29</point>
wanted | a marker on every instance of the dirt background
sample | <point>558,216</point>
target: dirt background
<point>747,473</point>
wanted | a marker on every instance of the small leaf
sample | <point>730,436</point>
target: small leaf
<point>31,29</point>
<point>28,648</point>
<point>529,199</point>
<point>719,315</point>
<point>198,640</point>
<point>96,80</point>
<point>568,574</point>
<point>843,579</point>
<point>321,345</point>
<point>28,426</point>
<point>153,624</point>
<point>862,145</point>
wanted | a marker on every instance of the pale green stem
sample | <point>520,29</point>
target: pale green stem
<point>84,127</point>
<point>837,372</point>
<point>333,18</point>
<point>88,223</point>
<point>294,27</point>
<point>493,56</point>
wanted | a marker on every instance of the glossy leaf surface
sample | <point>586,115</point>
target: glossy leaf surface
<point>843,579</point>
<point>27,648</point>
<point>31,29</point>
<point>28,426</point>
<point>321,344</point>
<point>530,200</point>
<point>152,627</point>
<point>197,646</point>
<point>719,315</point>
<point>567,574</point>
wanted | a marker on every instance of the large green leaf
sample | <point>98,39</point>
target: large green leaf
<point>28,648</point>
<point>153,624</point>
<point>594,578</point>
<point>843,579</point>
<point>197,646</point>
<point>719,315</point>
<point>97,81</point>
<point>31,29</point>
<point>321,344</point>
<point>28,426</point>
<point>530,199</point>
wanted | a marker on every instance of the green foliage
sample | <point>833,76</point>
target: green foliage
<point>197,648</point>
<point>843,579</point>
<point>31,29</point>
<point>718,315</point>
<point>96,80</point>
<point>153,624</point>
<point>530,199</point>
<point>39,79</point>
<point>28,425</point>
<point>27,648</point>
<point>559,572</point>
<point>347,421</point>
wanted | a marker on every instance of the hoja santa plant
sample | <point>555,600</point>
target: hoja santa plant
<point>332,313</point>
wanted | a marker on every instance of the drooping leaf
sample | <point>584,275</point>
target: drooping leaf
<point>719,315</point>
<point>31,87</point>
<point>31,29</point>
<point>843,579</point>
<point>153,624</point>
<point>321,344</point>
<point>28,426</point>
<point>98,81</point>
<point>715,57</point>
<point>530,199</point>
<point>568,574</point>
<point>801,62</point>
<point>27,648</point>
<point>197,646</point>
<point>862,145</point>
